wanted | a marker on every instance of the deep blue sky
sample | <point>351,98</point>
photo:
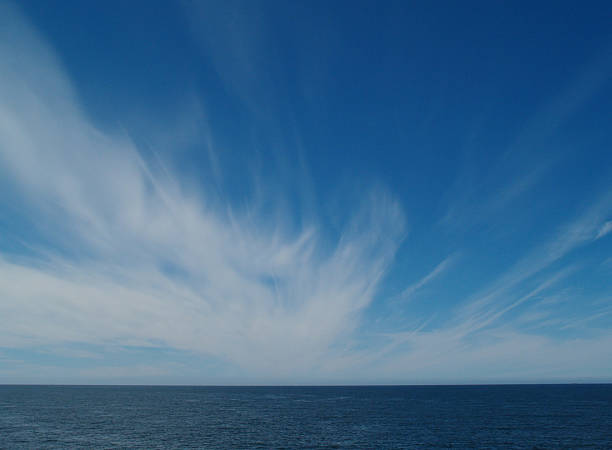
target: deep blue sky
<point>305,192</point>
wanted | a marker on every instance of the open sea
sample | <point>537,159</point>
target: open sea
<point>149,417</point>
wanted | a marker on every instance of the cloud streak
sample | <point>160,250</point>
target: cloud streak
<point>604,229</point>
<point>443,266</point>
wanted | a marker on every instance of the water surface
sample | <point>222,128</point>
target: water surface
<point>518,416</point>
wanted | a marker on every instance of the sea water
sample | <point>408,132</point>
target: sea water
<point>516,416</point>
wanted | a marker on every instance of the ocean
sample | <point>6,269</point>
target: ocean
<point>377,417</point>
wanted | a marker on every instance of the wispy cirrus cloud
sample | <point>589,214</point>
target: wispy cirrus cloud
<point>126,253</point>
<point>531,156</point>
<point>486,337</point>
<point>578,232</point>
<point>604,229</point>
<point>443,266</point>
<point>138,258</point>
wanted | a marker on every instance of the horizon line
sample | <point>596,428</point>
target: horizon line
<point>566,383</point>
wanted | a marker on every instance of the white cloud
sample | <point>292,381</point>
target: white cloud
<point>444,265</point>
<point>158,262</point>
<point>501,292</point>
<point>604,230</point>
<point>139,259</point>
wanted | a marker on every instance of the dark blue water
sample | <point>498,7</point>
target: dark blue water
<point>534,416</point>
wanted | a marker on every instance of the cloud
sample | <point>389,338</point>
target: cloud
<point>134,256</point>
<point>483,198</point>
<point>502,355</point>
<point>125,252</point>
<point>444,265</point>
<point>604,230</point>
<point>576,233</point>
<point>485,339</point>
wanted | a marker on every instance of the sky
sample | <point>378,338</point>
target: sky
<point>307,192</point>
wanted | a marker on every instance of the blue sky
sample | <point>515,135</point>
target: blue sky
<point>305,192</point>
